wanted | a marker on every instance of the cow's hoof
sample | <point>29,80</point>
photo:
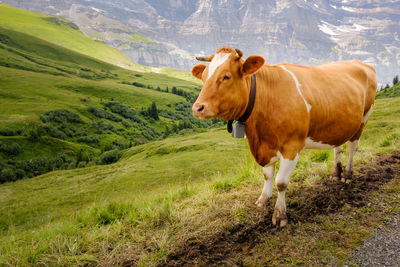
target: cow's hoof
<point>279,217</point>
<point>261,201</point>
<point>347,177</point>
<point>334,177</point>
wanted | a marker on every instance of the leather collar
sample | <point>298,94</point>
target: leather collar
<point>250,105</point>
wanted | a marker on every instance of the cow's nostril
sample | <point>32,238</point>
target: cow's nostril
<point>200,108</point>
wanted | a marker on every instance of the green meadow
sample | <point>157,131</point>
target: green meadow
<point>60,32</point>
<point>71,217</point>
<point>116,185</point>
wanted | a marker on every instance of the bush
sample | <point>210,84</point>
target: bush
<point>60,116</point>
<point>81,164</point>
<point>103,114</point>
<point>11,132</point>
<point>90,140</point>
<point>7,175</point>
<point>125,111</point>
<point>54,132</point>
<point>137,84</point>
<point>35,132</point>
<point>101,126</point>
<point>12,149</point>
<point>109,157</point>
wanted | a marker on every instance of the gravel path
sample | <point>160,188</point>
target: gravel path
<point>382,248</point>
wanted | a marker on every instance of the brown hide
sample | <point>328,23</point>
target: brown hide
<point>340,94</point>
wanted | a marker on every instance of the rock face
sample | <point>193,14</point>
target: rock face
<point>295,31</point>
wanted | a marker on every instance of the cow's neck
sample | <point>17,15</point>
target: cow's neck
<point>259,127</point>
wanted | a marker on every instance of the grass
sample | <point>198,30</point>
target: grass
<point>163,192</point>
<point>43,27</point>
<point>37,76</point>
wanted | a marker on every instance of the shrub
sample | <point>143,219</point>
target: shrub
<point>7,175</point>
<point>11,132</point>
<point>109,157</point>
<point>100,126</point>
<point>12,149</point>
<point>103,114</point>
<point>60,116</point>
<point>123,110</point>
<point>137,84</point>
<point>54,132</point>
<point>81,164</point>
<point>90,140</point>
<point>35,132</point>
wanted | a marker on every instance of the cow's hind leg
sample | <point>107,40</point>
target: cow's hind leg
<point>352,148</point>
<point>266,193</point>
<point>282,180</point>
<point>337,169</point>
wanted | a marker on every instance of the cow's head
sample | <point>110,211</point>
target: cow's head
<point>226,88</point>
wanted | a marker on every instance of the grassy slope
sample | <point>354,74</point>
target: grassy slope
<point>41,76</point>
<point>163,191</point>
<point>39,25</point>
<point>393,91</point>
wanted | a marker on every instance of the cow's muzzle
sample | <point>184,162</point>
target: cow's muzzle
<point>199,110</point>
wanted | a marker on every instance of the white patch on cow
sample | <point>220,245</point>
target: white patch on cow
<point>269,172</point>
<point>266,193</point>
<point>282,178</point>
<point>308,106</point>
<point>352,148</point>
<point>275,159</point>
<point>338,154</point>
<point>217,61</point>
<point>366,116</point>
<point>311,144</point>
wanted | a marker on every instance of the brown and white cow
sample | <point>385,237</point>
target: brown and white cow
<point>296,107</point>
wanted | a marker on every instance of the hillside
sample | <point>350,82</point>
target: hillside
<point>53,96</point>
<point>393,91</point>
<point>60,31</point>
<point>166,197</point>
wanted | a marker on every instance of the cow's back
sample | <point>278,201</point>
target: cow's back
<point>340,94</point>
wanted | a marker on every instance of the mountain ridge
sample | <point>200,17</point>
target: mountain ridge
<point>299,32</point>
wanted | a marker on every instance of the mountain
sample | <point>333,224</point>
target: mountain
<point>300,31</point>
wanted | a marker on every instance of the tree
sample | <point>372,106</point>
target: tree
<point>153,111</point>
<point>395,80</point>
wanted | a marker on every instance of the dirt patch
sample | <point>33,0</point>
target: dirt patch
<point>225,248</point>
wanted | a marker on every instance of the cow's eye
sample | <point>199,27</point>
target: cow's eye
<point>226,77</point>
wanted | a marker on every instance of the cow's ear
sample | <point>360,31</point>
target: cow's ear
<point>197,70</point>
<point>252,64</point>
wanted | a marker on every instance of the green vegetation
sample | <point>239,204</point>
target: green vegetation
<point>393,91</point>
<point>49,92</point>
<point>101,193</point>
<point>170,190</point>
<point>61,32</point>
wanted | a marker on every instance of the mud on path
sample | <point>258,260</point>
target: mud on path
<point>325,197</point>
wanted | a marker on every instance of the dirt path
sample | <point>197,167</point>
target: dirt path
<point>325,197</point>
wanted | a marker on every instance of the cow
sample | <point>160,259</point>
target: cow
<point>295,107</point>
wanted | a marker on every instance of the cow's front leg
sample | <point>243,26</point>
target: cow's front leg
<point>266,193</point>
<point>282,180</point>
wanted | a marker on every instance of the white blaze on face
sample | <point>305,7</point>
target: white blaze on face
<point>217,61</point>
